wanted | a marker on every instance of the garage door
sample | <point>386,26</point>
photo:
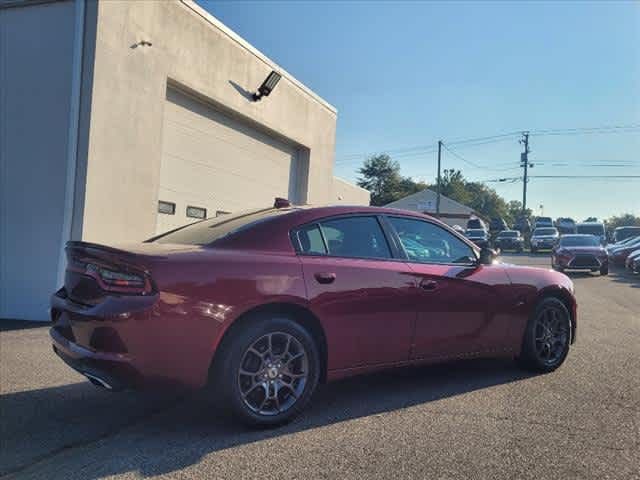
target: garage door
<point>212,163</point>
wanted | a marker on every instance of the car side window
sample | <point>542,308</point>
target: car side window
<point>426,242</point>
<point>310,240</point>
<point>355,237</point>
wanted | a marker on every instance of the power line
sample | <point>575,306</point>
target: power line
<point>587,130</point>
<point>469,162</point>
<point>575,177</point>
<point>419,150</point>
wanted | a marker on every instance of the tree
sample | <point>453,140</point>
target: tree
<point>626,219</point>
<point>478,196</point>
<point>515,211</point>
<point>381,176</point>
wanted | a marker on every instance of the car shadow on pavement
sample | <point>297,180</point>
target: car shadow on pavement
<point>621,275</point>
<point>171,435</point>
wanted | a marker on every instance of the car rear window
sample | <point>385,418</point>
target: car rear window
<point>508,234</point>
<point>352,237</point>
<point>544,231</point>
<point>212,229</point>
<point>591,229</point>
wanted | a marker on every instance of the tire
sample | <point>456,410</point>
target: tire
<point>535,354</point>
<point>604,270</point>
<point>534,250</point>
<point>263,400</point>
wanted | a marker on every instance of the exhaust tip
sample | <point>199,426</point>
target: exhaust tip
<point>99,382</point>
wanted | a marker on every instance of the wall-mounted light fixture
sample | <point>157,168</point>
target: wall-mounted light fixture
<point>267,86</point>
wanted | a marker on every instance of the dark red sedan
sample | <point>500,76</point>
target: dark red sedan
<point>580,252</point>
<point>263,305</point>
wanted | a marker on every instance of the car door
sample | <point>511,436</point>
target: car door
<point>359,291</point>
<point>459,310</point>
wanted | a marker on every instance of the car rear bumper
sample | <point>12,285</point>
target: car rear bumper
<point>113,372</point>
<point>509,245</point>
<point>129,343</point>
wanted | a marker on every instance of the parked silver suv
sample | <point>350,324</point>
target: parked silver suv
<point>544,238</point>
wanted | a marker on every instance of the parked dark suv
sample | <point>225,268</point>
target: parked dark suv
<point>510,240</point>
<point>522,225</point>
<point>497,225</point>
<point>476,224</point>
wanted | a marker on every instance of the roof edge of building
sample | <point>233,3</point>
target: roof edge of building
<point>351,184</point>
<point>191,4</point>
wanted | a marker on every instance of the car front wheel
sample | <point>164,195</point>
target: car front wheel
<point>547,336</point>
<point>269,371</point>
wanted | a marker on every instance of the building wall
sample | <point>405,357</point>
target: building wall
<point>451,212</point>
<point>36,69</point>
<point>190,49</point>
<point>347,193</point>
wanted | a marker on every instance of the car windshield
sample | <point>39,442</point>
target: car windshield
<point>579,241</point>
<point>596,229</point>
<point>508,234</point>
<point>544,231</point>
<point>212,229</point>
<point>476,232</point>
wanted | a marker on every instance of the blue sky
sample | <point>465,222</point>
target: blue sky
<point>403,75</point>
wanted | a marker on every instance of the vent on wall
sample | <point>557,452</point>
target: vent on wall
<point>167,208</point>
<point>196,212</point>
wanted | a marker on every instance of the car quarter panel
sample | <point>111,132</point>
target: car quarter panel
<point>529,284</point>
<point>200,300</point>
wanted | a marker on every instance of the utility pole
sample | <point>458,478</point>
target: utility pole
<point>439,180</point>
<point>524,162</point>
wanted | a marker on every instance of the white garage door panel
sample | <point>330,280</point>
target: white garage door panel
<point>212,161</point>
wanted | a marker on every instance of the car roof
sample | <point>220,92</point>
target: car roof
<point>275,231</point>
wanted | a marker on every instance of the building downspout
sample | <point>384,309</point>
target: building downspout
<point>72,141</point>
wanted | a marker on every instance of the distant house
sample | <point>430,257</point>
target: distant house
<point>451,212</point>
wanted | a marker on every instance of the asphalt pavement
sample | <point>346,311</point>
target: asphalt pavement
<point>472,419</point>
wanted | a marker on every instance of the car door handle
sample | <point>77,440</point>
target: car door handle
<point>325,277</point>
<point>428,285</point>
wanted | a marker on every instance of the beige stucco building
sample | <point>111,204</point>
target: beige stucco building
<point>122,119</point>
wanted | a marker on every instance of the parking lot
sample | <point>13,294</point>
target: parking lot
<point>473,419</point>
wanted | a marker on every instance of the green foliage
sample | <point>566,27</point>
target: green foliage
<point>381,176</point>
<point>515,210</point>
<point>476,195</point>
<point>626,219</point>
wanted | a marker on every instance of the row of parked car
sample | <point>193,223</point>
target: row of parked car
<point>626,252</point>
<point>577,246</point>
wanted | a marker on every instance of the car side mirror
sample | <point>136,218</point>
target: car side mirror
<point>487,256</point>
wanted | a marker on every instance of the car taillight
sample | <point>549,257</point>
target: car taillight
<point>113,278</point>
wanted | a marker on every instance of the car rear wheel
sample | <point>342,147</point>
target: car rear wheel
<point>604,270</point>
<point>547,337</point>
<point>269,371</point>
